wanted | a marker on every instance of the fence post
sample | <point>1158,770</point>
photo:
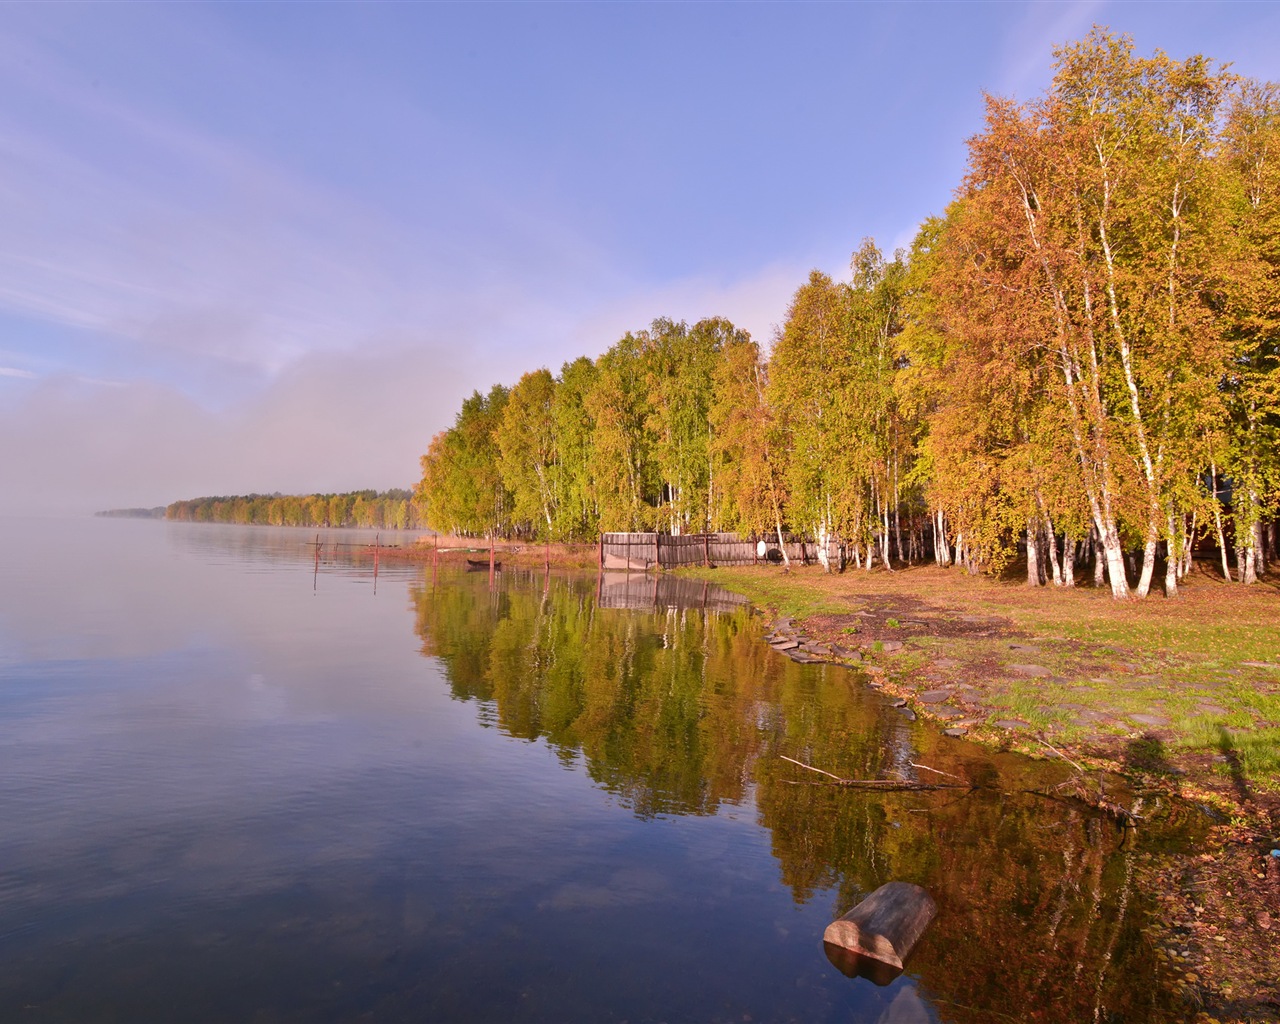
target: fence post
<point>706,550</point>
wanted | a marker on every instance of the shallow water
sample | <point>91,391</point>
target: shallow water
<point>238,784</point>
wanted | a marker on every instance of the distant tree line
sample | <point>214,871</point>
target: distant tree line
<point>1079,359</point>
<point>132,513</point>
<point>387,510</point>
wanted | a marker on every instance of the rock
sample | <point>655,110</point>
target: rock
<point>947,714</point>
<point>955,732</point>
<point>1211,709</point>
<point>946,663</point>
<point>1264,920</point>
<point>889,646</point>
<point>934,696</point>
<point>1038,671</point>
<point>1011,723</point>
<point>785,645</point>
<point>908,714</point>
<point>815,648</point>
<point>846,653</point>
<point>1025,648</point>
<point>1149,719</point>
<point>897,702</point>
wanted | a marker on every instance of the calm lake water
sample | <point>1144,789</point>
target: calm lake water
<point>239,786</point>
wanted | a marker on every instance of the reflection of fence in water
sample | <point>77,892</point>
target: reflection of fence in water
<point>636,591</point>
<point>643,551</point>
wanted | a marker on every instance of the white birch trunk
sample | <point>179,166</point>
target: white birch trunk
<point>1033,552</point>
<point>1217,522</point>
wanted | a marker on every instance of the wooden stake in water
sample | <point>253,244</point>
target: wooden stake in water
<point>377,544</point>
<point>315,577</point>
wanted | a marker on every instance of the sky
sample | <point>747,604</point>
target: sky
<point>261,247</point>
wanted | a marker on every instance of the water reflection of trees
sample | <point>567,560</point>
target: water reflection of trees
<point>677,711</point>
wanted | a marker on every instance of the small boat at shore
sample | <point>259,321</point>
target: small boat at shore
<point>478,564</point>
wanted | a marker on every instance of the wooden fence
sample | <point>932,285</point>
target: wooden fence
<point>639,552</point>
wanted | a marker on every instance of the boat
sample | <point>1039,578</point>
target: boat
<point>479,564</point>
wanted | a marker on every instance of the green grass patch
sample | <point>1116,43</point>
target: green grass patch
<point>770,589</point>
<point>1252,753</point>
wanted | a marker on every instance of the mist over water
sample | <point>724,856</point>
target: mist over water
<point>240,784</point>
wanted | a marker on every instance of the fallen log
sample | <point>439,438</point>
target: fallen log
<point>883,928</point>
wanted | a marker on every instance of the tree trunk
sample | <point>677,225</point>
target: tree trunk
<point>1069,545</point>
<point>1033,552</point>
<point>1217,522</point>
<point>1148,560</point>
<point>1171,562</point>
<point>1051,539</point>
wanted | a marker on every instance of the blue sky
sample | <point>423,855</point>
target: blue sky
<point>272,246</point>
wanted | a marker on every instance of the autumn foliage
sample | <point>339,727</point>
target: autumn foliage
<point>1079,360</point>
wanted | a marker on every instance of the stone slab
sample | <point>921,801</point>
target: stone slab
<point>1034,671</point>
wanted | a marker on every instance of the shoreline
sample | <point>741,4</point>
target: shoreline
<point>964,654</point>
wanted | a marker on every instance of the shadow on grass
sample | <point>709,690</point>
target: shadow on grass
<point>1235,766</point>
<point>1148,756</point>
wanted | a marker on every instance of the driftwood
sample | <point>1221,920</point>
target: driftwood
<point>884,928</point>
<point>1071,791</point>
<point>882,785</point>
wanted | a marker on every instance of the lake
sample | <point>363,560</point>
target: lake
<point>241,783</point>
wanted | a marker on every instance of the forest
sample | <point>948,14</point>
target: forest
<point>388,510</point>
<point>1078,359</point>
